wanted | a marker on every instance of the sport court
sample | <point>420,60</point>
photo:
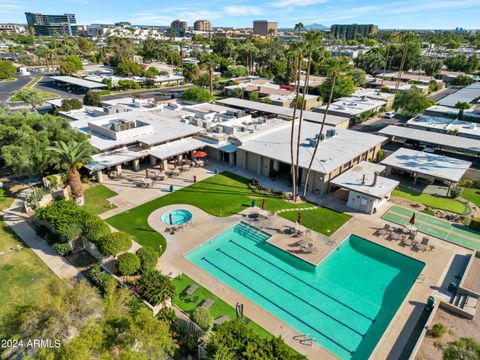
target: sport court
<point>430,225</point>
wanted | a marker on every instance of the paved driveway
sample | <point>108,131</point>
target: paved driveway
<point>7,88</point>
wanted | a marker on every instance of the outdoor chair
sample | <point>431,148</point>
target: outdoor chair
<point>207,304</point>
<point>221,320</point>
<point>191,289</point>
<point>423,245</point>
<point>309,250</point>
<point>406,242</point>
<point>385,230</point>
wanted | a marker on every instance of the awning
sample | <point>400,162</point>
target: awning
<point>228,147</point>
<point>102,161</point>
<point>174,148</point>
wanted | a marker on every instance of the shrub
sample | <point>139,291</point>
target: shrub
<point>148,258</point>
<point>62,214</point>
<point>196,94</point>
<point>101,279</point>
<point>380,155</point>
<point>114,243</point>
<point>438,330</point>
<point>455,192</point>
<point>202,317</point>
<point>71,232</point>
<point>70,104</point>
<point>167,314</point>
<point>475,223</point>
<point>128,264</point>
<point>62,249</point>
<point>155,287</point>
<point>95,229</point>
<point>2,194</point>
<point>92,99</point>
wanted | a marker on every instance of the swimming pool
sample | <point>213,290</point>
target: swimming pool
<point>177,217</point>
<point>345,303</point>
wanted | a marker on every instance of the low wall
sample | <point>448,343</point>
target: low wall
<point>418,344</point>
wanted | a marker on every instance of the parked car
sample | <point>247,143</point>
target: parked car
<point>429,149</point>
<point>389,115</point>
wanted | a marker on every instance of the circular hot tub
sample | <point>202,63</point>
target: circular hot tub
<point>177,217</point>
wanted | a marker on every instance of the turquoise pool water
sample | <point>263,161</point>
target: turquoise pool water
<point>179,217</point>
<point>345,303</point>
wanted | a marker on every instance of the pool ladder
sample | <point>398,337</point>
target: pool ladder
<point>304,339</point>
<point>420,278</point>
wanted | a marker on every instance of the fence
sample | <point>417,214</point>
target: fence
<point>183,321</point>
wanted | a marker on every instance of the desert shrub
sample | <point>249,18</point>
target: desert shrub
<point>167,314</point>
<point>438,330</point>
<point>101,279</point>
<point>95,229</point>
<point>72,232</point>
<point>148,258</point>
<point>62,249</point>
<point>154,287</point>
<point>128,264</point>
<point>203,318</point>
<point>455,192</point>
<point>114,243</point>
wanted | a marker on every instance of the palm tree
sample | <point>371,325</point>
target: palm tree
<point>296,48</point>
<point>71,156</point>
<point>312,39</point>
<point>462,106</point>
<point>406,38</point>
<point>337,67</point>
<point>211,61</point>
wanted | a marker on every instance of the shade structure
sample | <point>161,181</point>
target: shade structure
<point>199,154</point>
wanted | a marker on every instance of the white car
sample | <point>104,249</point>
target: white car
<point>389,115</point>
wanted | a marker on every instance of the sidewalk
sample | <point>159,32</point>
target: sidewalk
<point>17,221</point>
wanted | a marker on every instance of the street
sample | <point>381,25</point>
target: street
<point>7,88</point>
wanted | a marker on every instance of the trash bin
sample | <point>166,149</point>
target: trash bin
<point>254,203</point>
<point>430,303</point>
<point>171,188</point>
<point>216,171</point>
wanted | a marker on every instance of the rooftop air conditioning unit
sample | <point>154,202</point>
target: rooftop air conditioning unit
<point>330,133</point>
<point>313,142</point>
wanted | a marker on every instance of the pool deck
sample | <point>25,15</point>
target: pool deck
<point>204,227</point>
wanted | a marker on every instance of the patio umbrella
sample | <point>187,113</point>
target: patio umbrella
<point>160,167</point>
<point>299,218</point>
<point>412,219</point>
<point>199,154</point>
<point>146,173</point>
<point>170,218</point>
<point>263,204</point>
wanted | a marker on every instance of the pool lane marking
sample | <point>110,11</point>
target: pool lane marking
<point>294,295</point>
<point>280,307</point>
<point>304,282</point>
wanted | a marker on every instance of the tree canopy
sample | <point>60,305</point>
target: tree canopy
<point>196,94</point>
<point>412,102</point>
<point>7,69</point>
<point>25,137</point>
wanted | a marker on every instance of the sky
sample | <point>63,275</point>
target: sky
<point>387,14</point>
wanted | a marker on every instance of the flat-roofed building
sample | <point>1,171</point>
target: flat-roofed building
<point>367,190</point>
<point>431,167</point>
<point>353,31</point>
<point>353,107</point>
<point>338,151</point>
<point>263,27</point>
<point>179,27</point>
<point>202,25</point>
<point>461,128</point>
<point>49,25</point>
<point>469,94</point>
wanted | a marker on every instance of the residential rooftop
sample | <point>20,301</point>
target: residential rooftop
<point>438,166</point>
<point>361,178</point>
<point>469,94</point>
<point>333,152</point>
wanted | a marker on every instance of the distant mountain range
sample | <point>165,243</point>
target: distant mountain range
<point>315,27</point>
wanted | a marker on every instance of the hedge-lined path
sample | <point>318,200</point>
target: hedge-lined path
<point>18,223</point>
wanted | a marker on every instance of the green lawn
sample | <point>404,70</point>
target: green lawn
<point>432,201</point>
<point>218,309</point>
<point>472,195</point>
<point>44,94</point>
<point>24,275</point>
<point>221,195</point>
<point>96,199</point>
<point>6,202</point>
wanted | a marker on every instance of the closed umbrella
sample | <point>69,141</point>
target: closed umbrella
<point>412,219</point>
<point>170,217</point>
<point>263,204</point>
<point>175,164</point>
<point>146,173</point>
<point>299,218</point>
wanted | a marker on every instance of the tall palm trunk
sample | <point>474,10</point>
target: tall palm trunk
<point>75,185</point>
<point>307,177</point>
<point>386,63</point>
<point>402,64</point>
<point>300,120</point>
<point>292,131</point>
<point>211,80</point>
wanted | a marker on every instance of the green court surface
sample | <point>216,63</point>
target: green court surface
<point>429,225</point>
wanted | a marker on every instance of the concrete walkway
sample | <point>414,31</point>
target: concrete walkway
<point>17,221</point>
